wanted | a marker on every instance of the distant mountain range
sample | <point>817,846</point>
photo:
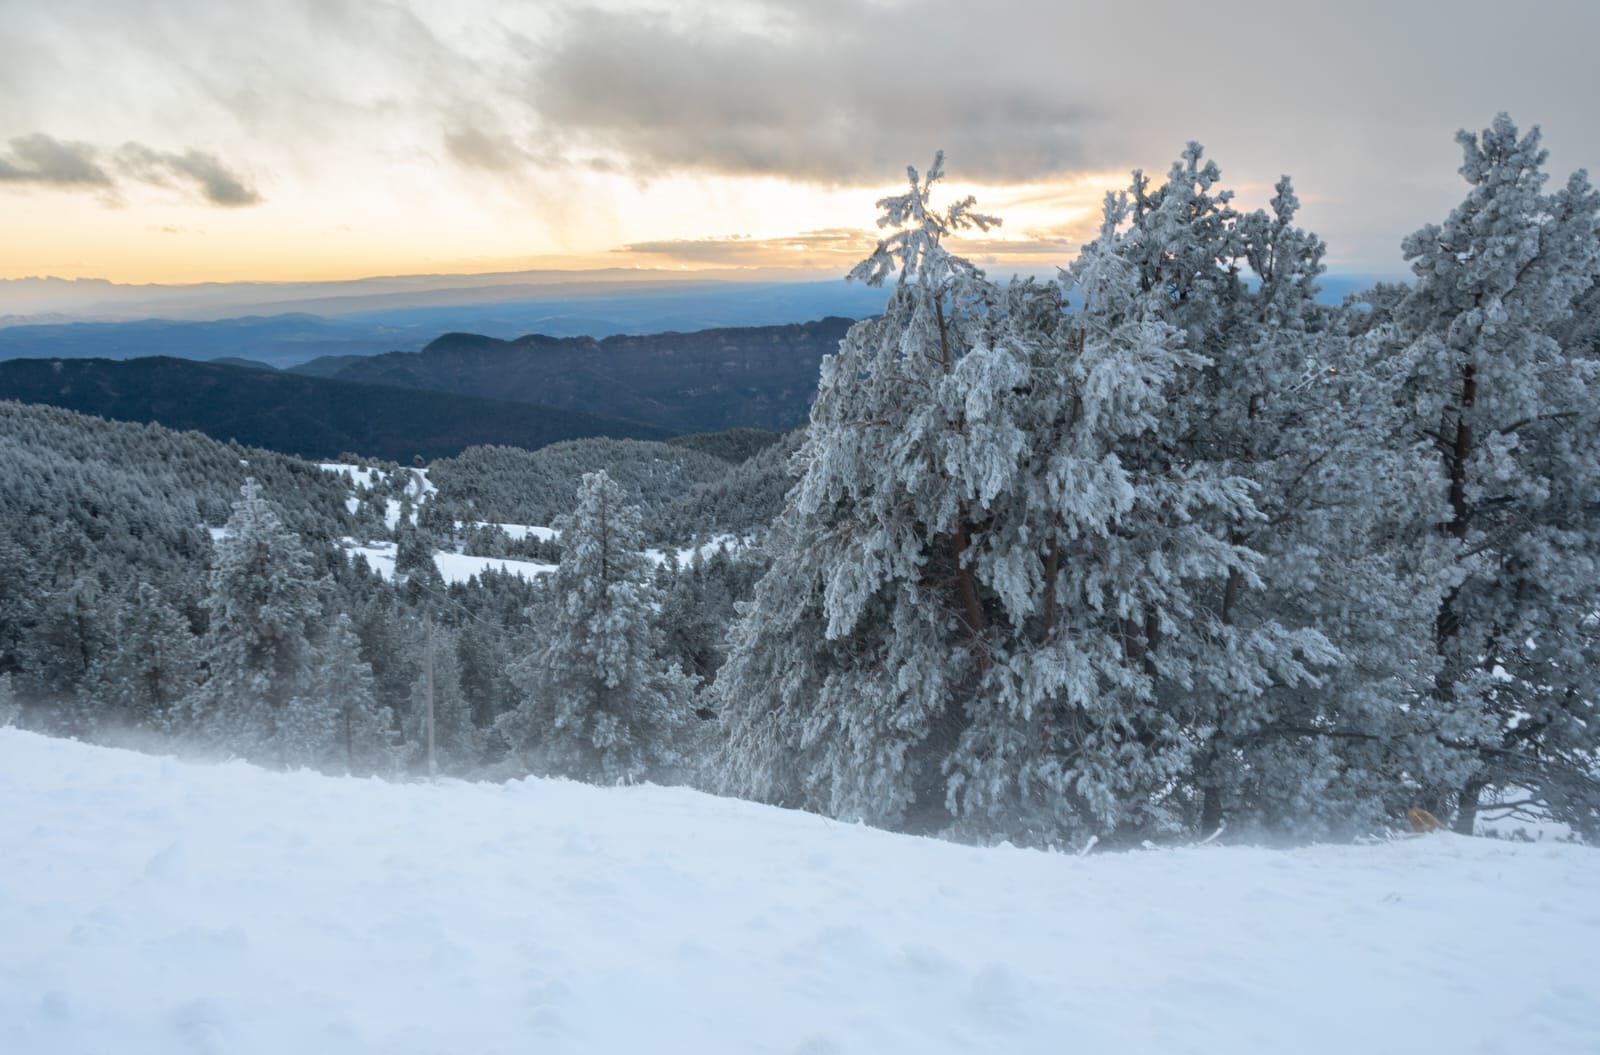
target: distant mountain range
<point>756,377</point>
<point>93,299</point>
<point>461,390</point>
<point>383,385</point>
<point>275,341</point>
<point>371,322</point>
<point>307,416</point>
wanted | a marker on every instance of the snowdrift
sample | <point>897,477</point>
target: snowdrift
<point>148,905</point>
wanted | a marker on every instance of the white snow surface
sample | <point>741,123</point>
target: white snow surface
<point>150,905</point>
<point>686,554</point>
<point>518,532</point>
<point>453,567</point>
<point>362,478</point>
<point>658,557</point>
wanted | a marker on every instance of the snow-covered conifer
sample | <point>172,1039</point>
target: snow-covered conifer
<point>846,684</point>
<point>1512,413</point>
<point>153,664</point>
<point>264,608</point>
<point>10,706</point>
<point>457,742</point>
<point>70,636</point>
<point>599,701</point>
<point>341,726</point>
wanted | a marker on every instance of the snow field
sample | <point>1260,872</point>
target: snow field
<point>686,554</point>
<point>518,532</point>
<point>453,567</point>
<point>149,905</point>
<point>417,485</point>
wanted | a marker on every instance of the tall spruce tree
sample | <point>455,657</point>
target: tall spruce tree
<point>844,689</point>
<point>153,665</point>
<point>19,578</point>
<point>264,608</point>
<point>600,702</point>
<point>1123,669</point>
<point>339,725</point>
<point>1312,715</point>
<point>1506,389</point>
<point>457,741</point>
<point>71,635</point>
<point>998,590</point>
<point>10,706</point>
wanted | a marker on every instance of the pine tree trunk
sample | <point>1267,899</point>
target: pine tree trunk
<point>1447,623</point>
<point>1052,571</point>
<point>1210,811</point>
<point>967,582</point>
<point>1467,809</point>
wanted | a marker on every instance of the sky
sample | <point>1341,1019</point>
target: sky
<point>178,141</point>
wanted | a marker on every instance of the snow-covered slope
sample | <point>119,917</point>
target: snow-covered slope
<point>362,478</point>
<point>453,567</point>
<point>148,905</point>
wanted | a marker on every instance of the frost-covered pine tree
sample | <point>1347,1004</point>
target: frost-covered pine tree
<point>457,742</point>
<point>337,724</point>
<point>10,706</point>
<point>1187,247</point>
<point>1511,412</point>
<point>993,604</point>
<point>1312,425</point>
<point>19,589</point>
<point>1308,706</point>
<point>847,678</point>
<point>1120,659</point>
<point>71,636</point>
<point>413,557</point>
<point>154,664</point>
<point>600,702</point>
<point>264,608</point>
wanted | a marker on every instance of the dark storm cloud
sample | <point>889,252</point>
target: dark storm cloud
<point>44,160</point>
<point>805,97</point>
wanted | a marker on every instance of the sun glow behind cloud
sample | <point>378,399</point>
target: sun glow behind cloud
<point>580,220</point>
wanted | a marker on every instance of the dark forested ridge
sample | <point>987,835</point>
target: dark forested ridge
<point>756,377</point>
<point>307,416</point>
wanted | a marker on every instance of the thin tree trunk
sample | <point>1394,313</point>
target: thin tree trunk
<point>1447,623</point>
<point>1211,803</point>
<point>1052,569</point>
<point>1152,638</point>
<point>967,581</point>
<point>1210,807</point>
<point>1467,809</point>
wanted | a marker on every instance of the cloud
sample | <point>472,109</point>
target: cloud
<point>202,172</point>
<point>46,161</point>
<point>563,109</point>
<point>41,159</point>
<point>475,148</point>
<point>801,97</point>
<point>838,248</point>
